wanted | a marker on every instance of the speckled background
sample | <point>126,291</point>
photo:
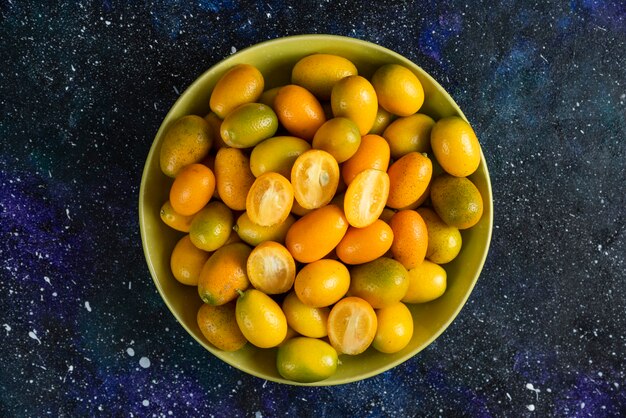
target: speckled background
<point>83,88</point>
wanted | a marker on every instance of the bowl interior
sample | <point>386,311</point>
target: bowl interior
<point>275,59</point>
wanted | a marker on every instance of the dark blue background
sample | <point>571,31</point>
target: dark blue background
<point>83,88</point>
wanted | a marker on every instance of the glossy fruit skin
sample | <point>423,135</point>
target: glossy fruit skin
<point>269,199</point>
<point>277,154</point>
<point>224,274</point>
<point>455,146</point>
<point>186,141</point>
<point>366,197</point>
<point>211,227</point>
<point>361,245</point>
<point>353,97</point>
<point>409,178</point>
<point>187,261</point>
<point>174,219</point>
<point>192,189</point>
<point>322,283</point>
<point>248,124</point>
<point>299,111</point>
<point>329,224</point>
<point>268,96</point>
<point>444,241</point>
<point>233,177</point>
<point>395,328</point>
<point>271,268</point>
<point>373,152</point>
<point>340,137</point>
<point>315,177</point>
<point>215,122</point>
<point>305,320</point>
<point>260,319</point>
<point>318,73</point>
<point>427,282</point>
<point>456,200</point>
<point>398,89</point>
<point>381,282</point>
<point>241,84</point>
<point>383,119</point>
<point>255,234</point>
<point>410,238</point>
<point>409,134</point>
<point>352,325</point>
<point>306,360</point>
<point>219,326</point>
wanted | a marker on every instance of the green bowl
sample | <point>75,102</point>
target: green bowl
<point>274,59</point>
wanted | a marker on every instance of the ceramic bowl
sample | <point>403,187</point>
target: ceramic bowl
<point>274,59</point>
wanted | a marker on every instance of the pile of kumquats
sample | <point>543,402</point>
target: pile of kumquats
<point>314,212</point>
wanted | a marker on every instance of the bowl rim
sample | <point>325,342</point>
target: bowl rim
<point>303,38</point>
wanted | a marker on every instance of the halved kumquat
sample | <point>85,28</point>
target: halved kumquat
<point>366,197</point>
<point>271,268</point>
<point>352,325</point>
<point>269,199</point>
<point>315,177</point>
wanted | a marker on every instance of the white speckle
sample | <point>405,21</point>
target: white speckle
<point>87,306</point>
<point>73,69</point>
<point>258,414</point>
<point>509,396</point>
<point>599,247</point>
<point>582,405</point>
<point>70,368</point>
<point>176,90</point>
<point>129,285</point>
<point>67,213</point>
<point>145,402</point>
<point>7,327</point>
<point>130,351</point>
<point>530,407</point>
<point>268,14</point>
<point>530,386</point>
<point>233,49</point>
<point>144,362</point>
<point>33,334</point>
<point>107,22</point>
<point>600,374</point>
<point>47,280</point>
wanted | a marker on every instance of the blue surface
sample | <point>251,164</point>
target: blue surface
<point>83,88</point>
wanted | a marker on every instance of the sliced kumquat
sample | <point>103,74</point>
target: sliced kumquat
<point>315,177</point>
<point>366,197</point>
<point>352,325</point>
<point>271,268</point>
<point>269,200</point>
